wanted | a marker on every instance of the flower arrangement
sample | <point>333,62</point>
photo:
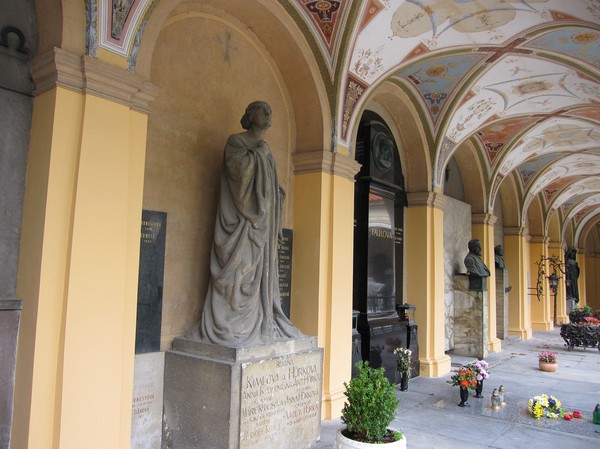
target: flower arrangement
<point>547,357</point>
<point>481,369</point>
<point>544,405</point>
<point>403,360</point>
<point>465,377</point>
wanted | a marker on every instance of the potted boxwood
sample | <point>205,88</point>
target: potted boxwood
<point>369,409</point>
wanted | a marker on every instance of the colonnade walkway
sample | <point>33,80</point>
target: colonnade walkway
<point>429,416</point>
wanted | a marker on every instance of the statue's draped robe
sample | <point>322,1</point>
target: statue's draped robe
<point>243,304</point>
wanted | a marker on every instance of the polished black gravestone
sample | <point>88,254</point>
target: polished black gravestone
<point>285,270</point>
<point>150,283</point>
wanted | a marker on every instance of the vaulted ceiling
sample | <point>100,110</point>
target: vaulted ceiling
<point>518,79</point>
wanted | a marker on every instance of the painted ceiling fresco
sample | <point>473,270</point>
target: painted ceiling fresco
<point>519,78</point>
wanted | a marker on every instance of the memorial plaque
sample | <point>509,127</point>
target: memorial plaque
<point>147,403</point>
<point>150,282</point>
<point>285,270</point>
<point>280,397</point>
<point>264,396</point>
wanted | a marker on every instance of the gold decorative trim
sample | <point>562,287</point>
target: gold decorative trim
<point>85,74</point>
<point>326,162</point>
<point>429,199</point>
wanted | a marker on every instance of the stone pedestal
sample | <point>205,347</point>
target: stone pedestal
<point>10,313</point>
<point>501,303</point>
<point>470,319</point>
<point>243,398</point>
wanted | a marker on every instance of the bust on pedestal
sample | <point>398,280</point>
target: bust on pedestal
<point>471,306</point>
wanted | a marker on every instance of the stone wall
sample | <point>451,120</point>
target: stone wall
<point>457,233</point>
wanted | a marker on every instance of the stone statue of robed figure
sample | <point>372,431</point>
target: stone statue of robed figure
<point>243,304</point>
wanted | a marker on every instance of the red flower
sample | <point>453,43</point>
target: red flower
<point>474,383</point>
<point>576,414</point>
<point>464,383</point>
<point>568,417</point>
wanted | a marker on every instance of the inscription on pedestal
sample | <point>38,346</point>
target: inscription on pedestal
<point>147,401</point>
<point>281,397</point>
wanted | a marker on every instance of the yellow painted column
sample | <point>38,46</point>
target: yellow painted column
<point>424,248</point>
<point>556,249</point>
<point>541,307</point>
<point>582,275</point>
<point>79,256</point>
<point>482,228</point>
<point>323,264</point>
<point>592,280</point>
<point>516,257</point>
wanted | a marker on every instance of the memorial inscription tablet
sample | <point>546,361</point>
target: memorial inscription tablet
<point>150,283</point>
<point>280,396</point>
<point>285,270</point>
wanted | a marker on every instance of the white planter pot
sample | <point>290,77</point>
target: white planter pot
<point>341,442</point>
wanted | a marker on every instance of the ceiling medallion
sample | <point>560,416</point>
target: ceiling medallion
<point>584,38</point>
<point>531,87</point>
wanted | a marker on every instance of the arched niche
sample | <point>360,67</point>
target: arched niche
<point>509,196</point>
<point>393,104</point>
<point>275,35</point>
<point>473,176</point>
<point>210,60</point>
<point>590,237</point>
<point>535,217</point>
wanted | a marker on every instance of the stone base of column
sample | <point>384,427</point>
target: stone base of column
<point>435,367</point>
<point>524,334</point>
<point>542,325</point>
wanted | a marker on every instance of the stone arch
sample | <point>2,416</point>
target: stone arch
<point>396,108</point>
<point>280,39</point>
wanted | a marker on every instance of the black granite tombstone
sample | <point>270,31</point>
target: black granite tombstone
<point>379,201</point>
<point>150,282</point>
<point>285,269</point>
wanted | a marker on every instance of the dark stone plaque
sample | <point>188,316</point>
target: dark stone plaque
<point>285,270</point>
<point>150,283</point>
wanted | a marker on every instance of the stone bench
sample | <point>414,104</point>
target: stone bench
<point>580,335</point>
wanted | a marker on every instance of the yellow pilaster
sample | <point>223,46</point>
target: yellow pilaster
<point>582,275</point>
<point>79,256</point>
<point>424,247</point>
<point>541,308</point>
<point>556,249</point>
<point>323,264</point>
<point>482,228</point>
<point>592,280</point>
<point>516,257</point>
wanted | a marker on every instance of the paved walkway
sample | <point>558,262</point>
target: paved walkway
<point>430,418</point>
